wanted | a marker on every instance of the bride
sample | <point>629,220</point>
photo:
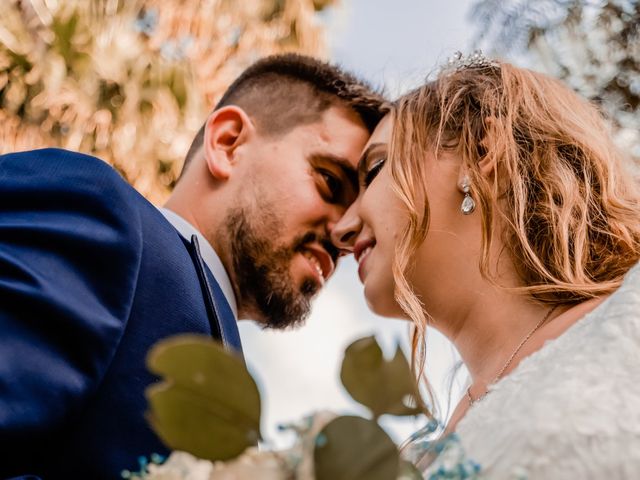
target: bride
<point>495,208</point>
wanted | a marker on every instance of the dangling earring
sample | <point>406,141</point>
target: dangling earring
<point>468,204</point>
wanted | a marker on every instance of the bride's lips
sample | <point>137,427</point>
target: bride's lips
<point>320,261</point>
<point>361,251</point>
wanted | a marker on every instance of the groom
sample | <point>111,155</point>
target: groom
<point>92,275</point>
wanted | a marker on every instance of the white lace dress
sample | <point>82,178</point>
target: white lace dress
<point>569,411</point>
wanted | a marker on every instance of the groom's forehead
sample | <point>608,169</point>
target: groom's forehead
<point>338,136</point>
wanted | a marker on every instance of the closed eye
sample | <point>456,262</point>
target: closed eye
<point>373,171</point>
<point>332,188</point>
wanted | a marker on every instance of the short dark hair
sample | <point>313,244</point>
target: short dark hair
<point>281,92</point>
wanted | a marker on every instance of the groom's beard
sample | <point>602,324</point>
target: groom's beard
<point>261,270</point>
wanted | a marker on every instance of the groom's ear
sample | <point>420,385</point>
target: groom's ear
<point>226,129</point>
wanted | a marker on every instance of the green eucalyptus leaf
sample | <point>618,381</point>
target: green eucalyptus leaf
<point>354,448</point>
<point>408,471</point>
<point>385,387</point>
<point>207,404</point>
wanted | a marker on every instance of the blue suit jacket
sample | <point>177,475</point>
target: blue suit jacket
<point>91,276</point>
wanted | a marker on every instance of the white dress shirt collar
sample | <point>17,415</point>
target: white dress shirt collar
<point>209,255</point>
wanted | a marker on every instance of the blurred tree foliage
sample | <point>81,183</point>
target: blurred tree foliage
<point>131,80</point>
<point>593,45</point>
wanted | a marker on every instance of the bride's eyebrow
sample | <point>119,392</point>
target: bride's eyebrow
<point>365,158</point>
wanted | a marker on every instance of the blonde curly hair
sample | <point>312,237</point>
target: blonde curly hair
<point>568,209</point>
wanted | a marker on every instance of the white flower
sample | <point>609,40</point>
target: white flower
<point>253,464</point>
<point>181,466</point>
<point>297,462</point>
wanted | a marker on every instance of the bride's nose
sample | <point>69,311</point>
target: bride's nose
<point>345,232</point>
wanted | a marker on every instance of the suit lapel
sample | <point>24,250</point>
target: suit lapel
<point>224,327</point>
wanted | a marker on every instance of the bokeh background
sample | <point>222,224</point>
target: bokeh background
<point>131,81</point>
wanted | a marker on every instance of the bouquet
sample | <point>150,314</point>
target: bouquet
<point>207,410</point>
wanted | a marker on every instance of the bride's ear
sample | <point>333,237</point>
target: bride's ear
<point>487,164</point>
<point>226,129</point>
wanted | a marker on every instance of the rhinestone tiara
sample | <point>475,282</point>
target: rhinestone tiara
<point>477,59</point>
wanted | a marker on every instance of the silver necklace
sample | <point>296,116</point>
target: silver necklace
<point>506,365</point>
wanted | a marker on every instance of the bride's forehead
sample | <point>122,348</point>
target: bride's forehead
<point>382,133</point>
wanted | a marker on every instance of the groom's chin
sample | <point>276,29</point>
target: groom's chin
<point>287,310</point>
<point>284,323</point>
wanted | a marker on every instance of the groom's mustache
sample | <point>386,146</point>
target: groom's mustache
<point>324,241</point>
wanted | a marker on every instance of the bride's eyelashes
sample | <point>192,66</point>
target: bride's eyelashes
<point>373,171</point>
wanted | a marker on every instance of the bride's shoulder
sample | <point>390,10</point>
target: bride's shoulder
<point>629,292</point>
<point>591,366</point>
<point>578,397</point>
<point>615,325</point>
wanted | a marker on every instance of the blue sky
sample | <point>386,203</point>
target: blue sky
<point>396,45</point>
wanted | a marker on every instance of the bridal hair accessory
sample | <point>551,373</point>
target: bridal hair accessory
<point>468,204</point>
<point>515,352</point>
<point>477,59</point>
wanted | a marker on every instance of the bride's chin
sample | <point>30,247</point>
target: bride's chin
<point>382,303</point>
